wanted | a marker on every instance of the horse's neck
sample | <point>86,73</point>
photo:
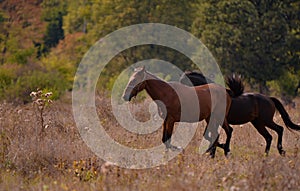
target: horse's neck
<point>155,87</point>
<point>150,76</point>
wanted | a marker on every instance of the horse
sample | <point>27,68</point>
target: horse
<point>171,94</point>
<point>256,108</point>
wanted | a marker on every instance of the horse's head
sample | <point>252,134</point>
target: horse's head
<point>135,84</point>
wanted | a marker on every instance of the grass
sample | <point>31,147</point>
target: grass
<point>59,159</point>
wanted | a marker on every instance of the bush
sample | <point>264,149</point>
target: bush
<point>285,86</point>
<point>7,76</point>
<point>21,56</point>
<point>24,85</point>
<point>63,65</point>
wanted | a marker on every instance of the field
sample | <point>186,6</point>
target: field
<point>58,159</point>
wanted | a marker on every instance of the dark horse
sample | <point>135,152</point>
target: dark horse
<point>172,94</point>
<point>249,107</point>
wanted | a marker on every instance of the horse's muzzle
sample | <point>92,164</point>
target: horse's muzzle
<point>126,97</point>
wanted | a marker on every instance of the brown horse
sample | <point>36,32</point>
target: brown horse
<point>174,95</point>
<point>250,107</point>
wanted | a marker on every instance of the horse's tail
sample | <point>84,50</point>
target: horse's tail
<point>235,85</point>
<point>284,115</point>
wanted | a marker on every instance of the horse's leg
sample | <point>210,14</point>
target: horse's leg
<point>228,130</point>
<point>213,146</point>
<point>279,131</point>
<point>166,139</point>
<point>168,127</point>
<point>214,141</point>
<point>264,132</point>
<point>212,150</point>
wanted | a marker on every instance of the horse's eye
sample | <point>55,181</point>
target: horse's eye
<point>133,81</point>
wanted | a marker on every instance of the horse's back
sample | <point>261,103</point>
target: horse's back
<point>203,97</point>
<point>242,109</point>
<point>266,106</point>
<point>250,106</point>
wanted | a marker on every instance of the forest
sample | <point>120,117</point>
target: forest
<point>43,42</point>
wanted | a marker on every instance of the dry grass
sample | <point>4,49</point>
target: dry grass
<point>59,160</point>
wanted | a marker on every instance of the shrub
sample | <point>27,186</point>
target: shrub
<point>24,85</point>
<point>285,86</point>
<point>7,76</point>
<point>21,56</point>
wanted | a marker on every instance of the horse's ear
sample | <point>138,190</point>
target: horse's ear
<point>140,69</point>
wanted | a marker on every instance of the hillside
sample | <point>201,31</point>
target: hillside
<point>40,39</point>
<point>24,23</point>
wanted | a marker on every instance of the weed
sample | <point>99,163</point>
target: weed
<point>40,102</point>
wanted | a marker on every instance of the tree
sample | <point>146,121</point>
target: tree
<point>251,37</point>
<point>3,37</point>
<point>53,12</point>
<point>78,17</point>
<point>104,16</point>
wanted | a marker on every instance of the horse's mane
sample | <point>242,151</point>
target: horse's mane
<point>199,76</point>
<point>154,76</point>
<point>194,73</point>
<point>235,84</point>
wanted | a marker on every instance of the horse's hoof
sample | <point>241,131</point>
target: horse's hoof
<point>228,154</point>
<point>282,153</point>
<point>174,148</point>
<point>266,154</point>
<point>212,153</point>
<point>208,155</point>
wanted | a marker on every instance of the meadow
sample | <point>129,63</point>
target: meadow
<point>58,159</point>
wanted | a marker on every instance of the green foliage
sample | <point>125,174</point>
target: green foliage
<point>100,17</point>
<point>7,77</point>
<point>286,85</point>
<point>21,56</point>
<point>24,85</point>
<point>54,33</point>
<point>1,18</point>
<point>245,36</point>
<point>54,10</point>
<point>258,39</point>
<point>63,66</point>
<point>248,37</point>
<point>2,31</point>
<point>78,17</point>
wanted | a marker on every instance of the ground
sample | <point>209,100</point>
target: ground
<point>58,159</point>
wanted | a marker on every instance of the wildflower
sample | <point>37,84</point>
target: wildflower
<point>33,94</point>
<point>49,94</point>
<point>39,102</point>
<point>39,93</point>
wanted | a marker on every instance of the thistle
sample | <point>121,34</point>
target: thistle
<point>40,101</point>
